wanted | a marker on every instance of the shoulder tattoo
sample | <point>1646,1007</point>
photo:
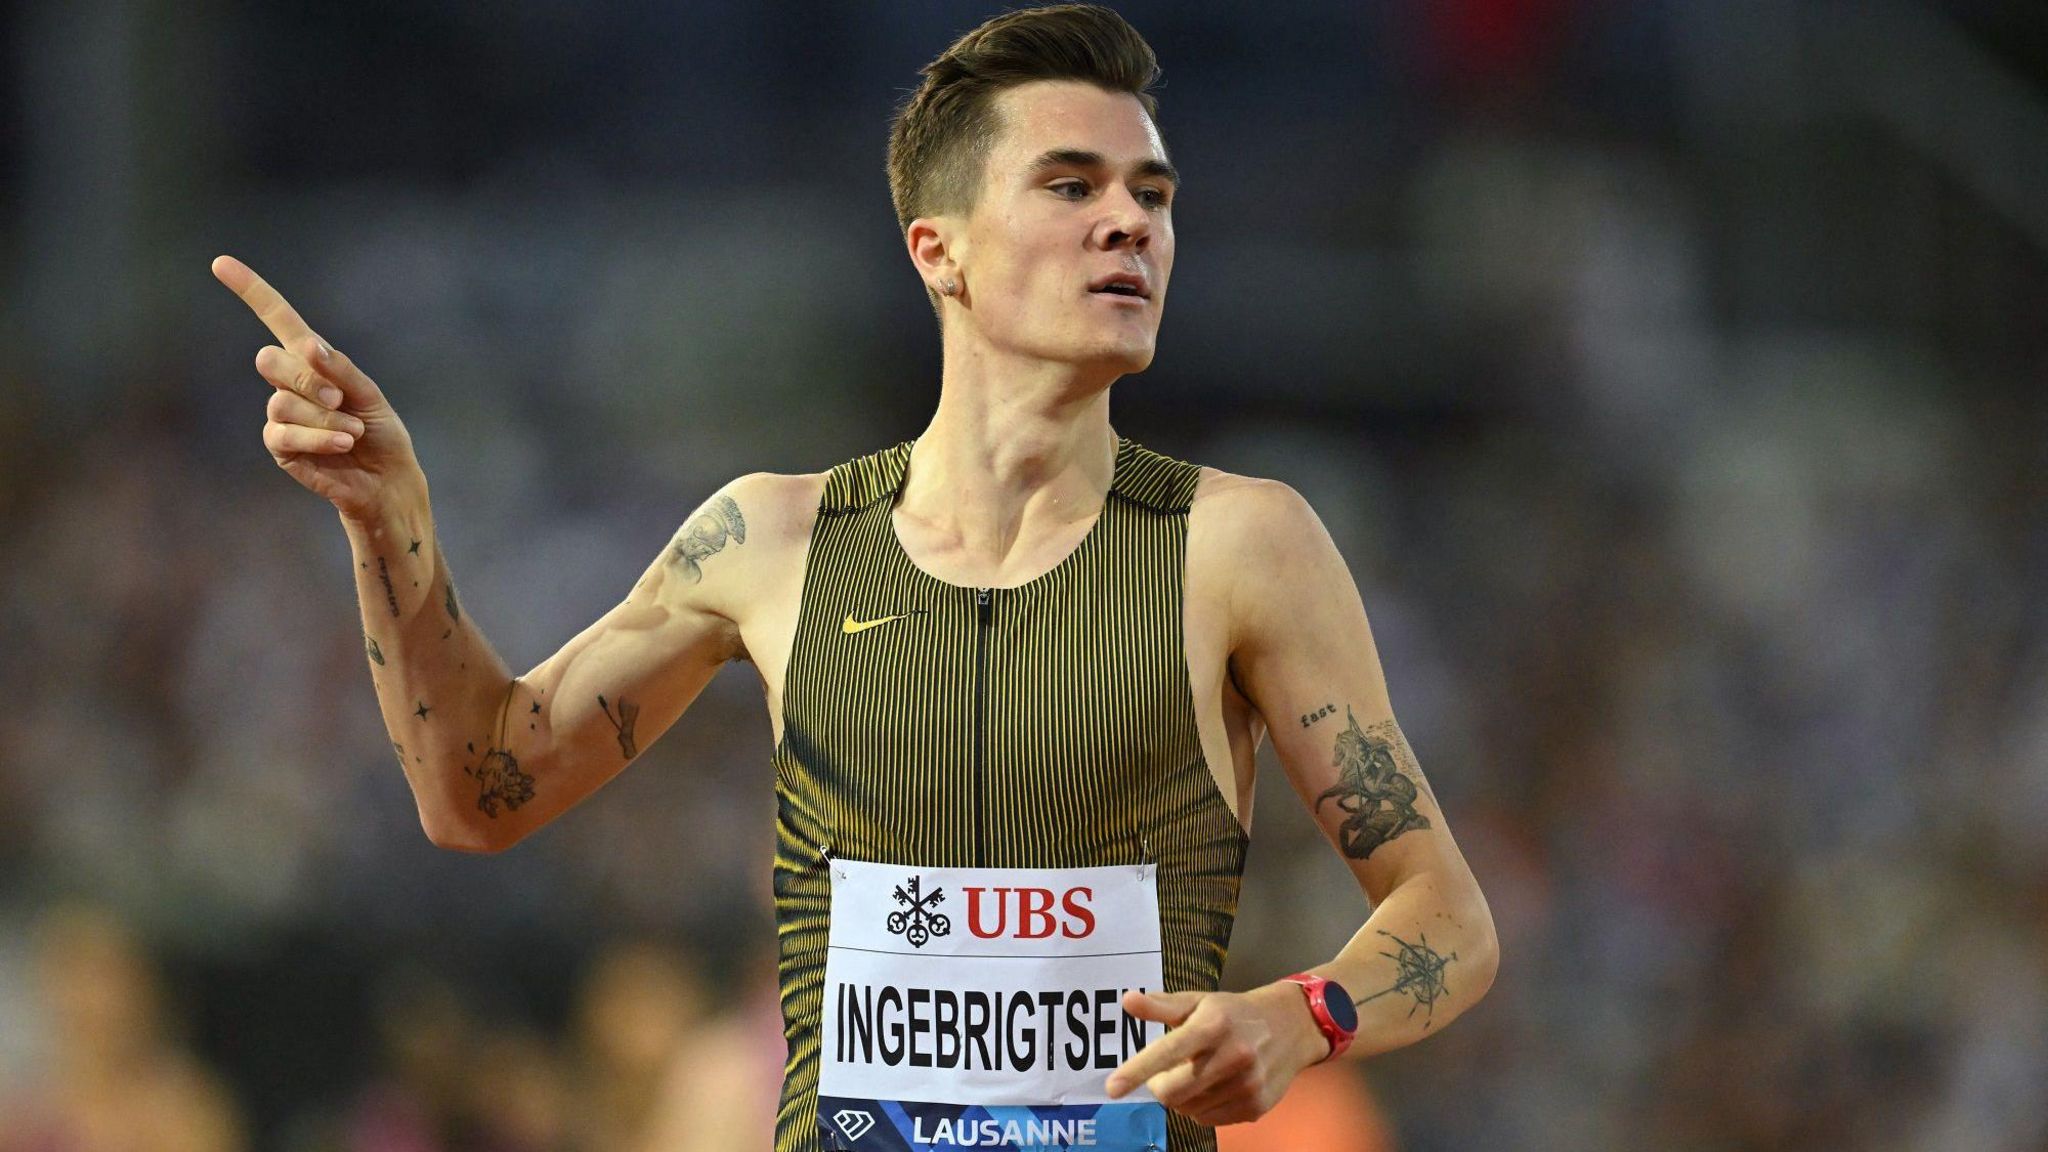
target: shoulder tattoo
<point>706,534</point>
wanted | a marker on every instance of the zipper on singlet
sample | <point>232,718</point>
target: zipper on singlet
<point>984,600</point>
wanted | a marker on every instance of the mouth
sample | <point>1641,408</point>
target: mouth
<point>1123,286</point>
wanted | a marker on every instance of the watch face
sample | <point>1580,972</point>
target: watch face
<point>1342,1011</point>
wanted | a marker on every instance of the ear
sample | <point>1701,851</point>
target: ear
<point>932,243</point>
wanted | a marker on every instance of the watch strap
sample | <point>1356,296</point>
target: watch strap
<point>1313,990</point>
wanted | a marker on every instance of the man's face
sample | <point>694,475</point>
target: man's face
<point>1076,196</point>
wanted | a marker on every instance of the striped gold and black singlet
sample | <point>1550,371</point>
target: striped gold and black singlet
<point>1049,725</point>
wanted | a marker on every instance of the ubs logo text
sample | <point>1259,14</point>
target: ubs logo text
<point>1030,913</point>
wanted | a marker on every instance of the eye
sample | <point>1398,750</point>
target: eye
<point>1152,197</point>
<point>1070,189</point>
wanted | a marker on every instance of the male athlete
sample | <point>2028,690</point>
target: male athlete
<point>1017,670</point>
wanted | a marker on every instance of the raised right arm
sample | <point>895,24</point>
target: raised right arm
<point>491,756</point>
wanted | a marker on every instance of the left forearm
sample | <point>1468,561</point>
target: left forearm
<point>1425,955</point>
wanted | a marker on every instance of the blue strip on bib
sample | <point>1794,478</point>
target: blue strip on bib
<point>853,1125</point>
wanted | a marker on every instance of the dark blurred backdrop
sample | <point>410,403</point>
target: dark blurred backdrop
<point>1673,375</point>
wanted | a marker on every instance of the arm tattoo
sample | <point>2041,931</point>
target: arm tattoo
<point>501,781</point>
<point>1419,973</point>
<point>384,574</point>
<point>706,534</point>
<point>629,712</point>
<point>454,610</point>
<point>1373,788</point>
<point>376,653</point>
<point>499,778</point>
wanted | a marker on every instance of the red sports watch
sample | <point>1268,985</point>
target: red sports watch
<point>1336,1016</point>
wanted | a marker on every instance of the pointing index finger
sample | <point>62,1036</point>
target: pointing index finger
<point>283,321</point>
<point>1167,1052</point>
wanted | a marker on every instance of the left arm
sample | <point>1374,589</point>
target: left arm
<point>1302,653</point>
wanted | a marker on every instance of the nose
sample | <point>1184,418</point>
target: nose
<point>1124,223</point>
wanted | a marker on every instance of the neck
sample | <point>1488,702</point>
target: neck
<point>1012,445</point>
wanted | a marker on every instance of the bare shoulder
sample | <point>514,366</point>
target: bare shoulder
<point>1250,516</point>
<point>737,544</point>
<point>775,510</point>
<point>1258,552</point>
<point>762,590</point>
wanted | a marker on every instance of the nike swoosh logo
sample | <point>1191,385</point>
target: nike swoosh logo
<point>850,625</point>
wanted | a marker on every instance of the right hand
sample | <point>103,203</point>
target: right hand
<point>373,461</point>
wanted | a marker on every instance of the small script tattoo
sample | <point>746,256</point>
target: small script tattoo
<point>376,653</point>
<point>1373,788</point>
<point>706,534</point>
<point>1308,718</point>
<point>384,574</point>
<point>628,713</point>
<point>1419,973</point>
<point>501,781</point>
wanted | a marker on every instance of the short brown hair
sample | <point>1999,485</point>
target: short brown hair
<point>942,133</point>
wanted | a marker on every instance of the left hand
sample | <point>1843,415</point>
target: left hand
<point>1229,1055</point>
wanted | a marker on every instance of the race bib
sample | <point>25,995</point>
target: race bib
<point>981,1008</point>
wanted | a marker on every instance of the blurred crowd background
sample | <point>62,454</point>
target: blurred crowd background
<point>1673,375</point>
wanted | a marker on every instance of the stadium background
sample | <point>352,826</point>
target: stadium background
<point>1671,375</point>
